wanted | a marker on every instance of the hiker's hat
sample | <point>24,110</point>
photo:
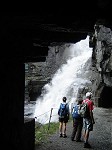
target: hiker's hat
<point>88,94</point>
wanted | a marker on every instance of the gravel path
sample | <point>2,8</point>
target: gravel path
<point>100,137</point>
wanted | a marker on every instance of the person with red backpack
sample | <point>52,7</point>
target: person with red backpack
<point>88,121</point>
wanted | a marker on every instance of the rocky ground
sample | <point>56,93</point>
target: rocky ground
<point>100,137</point>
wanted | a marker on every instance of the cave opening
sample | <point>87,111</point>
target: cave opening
<point>106,98</point>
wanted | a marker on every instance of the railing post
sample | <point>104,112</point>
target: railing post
<point>50,118</point>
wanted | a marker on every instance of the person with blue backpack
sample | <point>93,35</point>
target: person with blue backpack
<point>63,113</point>
<point>77,122</point>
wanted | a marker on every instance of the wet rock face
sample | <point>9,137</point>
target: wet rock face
<point>103,53</point>
<point>100,70</point>
<point>102,73</point>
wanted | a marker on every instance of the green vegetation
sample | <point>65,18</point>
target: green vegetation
<point>42,132</point>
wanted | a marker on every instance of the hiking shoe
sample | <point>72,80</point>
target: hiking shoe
<point>78,140</point>
<point>72,139</point>
<point>64,135</point>
<point>87,145</point>
<point>60,135</point>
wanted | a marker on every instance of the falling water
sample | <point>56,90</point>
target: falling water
<point>65,82</point>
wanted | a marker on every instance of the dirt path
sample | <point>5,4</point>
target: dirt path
<point>100,137</point>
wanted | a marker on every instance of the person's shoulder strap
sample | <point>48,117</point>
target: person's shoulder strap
<point>66,104</point>
<point>86,101</point>
<point>63,104</point>
<point>76,106</point>
<point>60,105</point>
<point>67,107</point>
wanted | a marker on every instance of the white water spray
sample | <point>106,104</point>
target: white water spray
<point>65,82</point>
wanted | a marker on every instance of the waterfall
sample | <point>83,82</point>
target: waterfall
<point>65,82</point>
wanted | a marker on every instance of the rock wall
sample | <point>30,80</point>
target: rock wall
<point>102,65</point>
<point>39,73</point>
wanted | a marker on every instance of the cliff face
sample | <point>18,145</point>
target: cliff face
<point>37,74</point>
<point>102,66</point>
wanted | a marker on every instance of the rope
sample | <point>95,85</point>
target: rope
<point>42,114</point>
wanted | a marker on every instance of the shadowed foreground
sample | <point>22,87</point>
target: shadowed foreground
<point>100,137</point>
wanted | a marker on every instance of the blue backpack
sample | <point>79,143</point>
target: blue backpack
<point>63,111</point>
<point>75,112</point>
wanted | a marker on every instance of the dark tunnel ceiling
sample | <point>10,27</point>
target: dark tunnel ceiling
<point>50,23</point>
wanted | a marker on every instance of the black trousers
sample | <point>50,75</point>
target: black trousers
<point>77,129</point>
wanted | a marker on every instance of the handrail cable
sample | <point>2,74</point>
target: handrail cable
<point>42,114</point>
